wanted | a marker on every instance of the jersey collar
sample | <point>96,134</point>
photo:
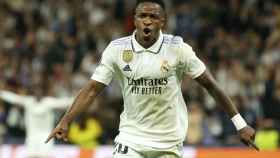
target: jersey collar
<point>155,48</point>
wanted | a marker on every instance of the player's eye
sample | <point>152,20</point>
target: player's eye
<point>141,16</point>
<point>153,16</point>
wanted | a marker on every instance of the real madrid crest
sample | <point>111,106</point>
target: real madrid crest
<point>127,56</point>
<point>164,66</point>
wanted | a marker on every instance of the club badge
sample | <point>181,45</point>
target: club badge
<point>164,66</point>
<point>127,56</point>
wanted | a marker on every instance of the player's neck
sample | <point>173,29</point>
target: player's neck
<point>146,43</point>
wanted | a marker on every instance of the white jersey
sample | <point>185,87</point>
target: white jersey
<point>155,113</point>
<point>39,119</point>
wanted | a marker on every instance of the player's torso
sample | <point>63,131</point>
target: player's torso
<point>35,113</point>
<point>150,84</point>
<point>147,69</point>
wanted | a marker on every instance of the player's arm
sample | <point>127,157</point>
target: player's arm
<point>60,103</point>
<point>12,98</point>
<point>84,99</point>
<point>101,77</point>
<point>209,83</point>
<point>246,133</point>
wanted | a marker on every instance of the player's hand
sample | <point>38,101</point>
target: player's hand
<point>247,136</point>
<point>59,132</point>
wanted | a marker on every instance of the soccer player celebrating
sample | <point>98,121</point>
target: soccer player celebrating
<point>149,67</point>
<point>39,118</point>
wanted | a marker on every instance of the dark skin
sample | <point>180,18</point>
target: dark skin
<point>149,20</point>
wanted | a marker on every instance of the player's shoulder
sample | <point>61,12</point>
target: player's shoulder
<point>176,41</point>
<point>172,39</point>
<point>121,41</point>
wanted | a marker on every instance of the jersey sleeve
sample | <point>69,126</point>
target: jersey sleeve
<point>193,66</point>
<point>13,98</point>
<point>105,70</point>
<point>59,103</point>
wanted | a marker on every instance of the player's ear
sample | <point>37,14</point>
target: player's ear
<point>134,20</point>
<point>163,18</point>
<point>135,16</point>
<point>163,21</point>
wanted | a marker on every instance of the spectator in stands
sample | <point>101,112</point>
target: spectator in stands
<point>85,132</point>
<point>271,101</point>
<point>2,122</point>
<point>195,126</point>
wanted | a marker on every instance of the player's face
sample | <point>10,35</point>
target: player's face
<point>149,19</point>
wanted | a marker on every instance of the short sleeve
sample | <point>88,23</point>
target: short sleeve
<point>105,70</point>
<point>193,66</point>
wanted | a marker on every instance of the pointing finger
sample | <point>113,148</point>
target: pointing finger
<point>252,144</point>
<point>50,137</point>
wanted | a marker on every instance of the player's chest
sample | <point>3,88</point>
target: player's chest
<point>146,64</point>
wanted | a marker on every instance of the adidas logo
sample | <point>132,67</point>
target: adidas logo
<point>127,68</point>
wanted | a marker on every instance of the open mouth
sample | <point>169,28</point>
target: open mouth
<point>147,31</point>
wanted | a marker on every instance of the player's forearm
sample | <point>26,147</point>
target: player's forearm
<point>223,100</point>
<point>209,83</point>
<point>81,103</point>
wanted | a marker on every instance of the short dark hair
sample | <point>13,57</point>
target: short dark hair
<point>159,2</point>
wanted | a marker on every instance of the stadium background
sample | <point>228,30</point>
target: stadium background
<point>58,44</point>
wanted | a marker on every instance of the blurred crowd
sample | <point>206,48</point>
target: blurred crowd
<point>58,44</point>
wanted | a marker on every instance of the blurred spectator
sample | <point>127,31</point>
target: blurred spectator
<point>37,108</point>
<point>267,139</point>
<point>271,102</point>
<point>85,132</point>
<point>195,127</point>
<point>2,122</point>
